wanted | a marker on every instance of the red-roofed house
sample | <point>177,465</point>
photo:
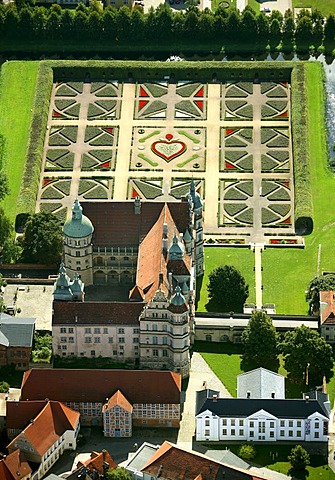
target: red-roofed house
<point>43,441</point>
<point>97,465</point>
<point>152,252</point>
<point>327,315</point>
<point>15,467</point>
<point>144,398</point>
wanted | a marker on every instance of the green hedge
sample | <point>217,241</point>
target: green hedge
<point>31,176</point>
<point>301,155</point>
<point>2,151</point>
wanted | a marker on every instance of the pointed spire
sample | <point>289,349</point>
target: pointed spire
<point>77,210</point>
<point>176,251</point>
<point>178,298</point>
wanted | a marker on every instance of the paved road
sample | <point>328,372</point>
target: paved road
<point>200,373</point>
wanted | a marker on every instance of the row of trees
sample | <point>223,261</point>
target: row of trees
<point>24,22</point>
<point>307,356</point>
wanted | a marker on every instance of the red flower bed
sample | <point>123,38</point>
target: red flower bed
<point>200,93</point>
<point>142,103</point>
<point>200,104</point>
<point>143,93</point>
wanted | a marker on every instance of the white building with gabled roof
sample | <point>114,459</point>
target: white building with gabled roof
<point>260,383</point>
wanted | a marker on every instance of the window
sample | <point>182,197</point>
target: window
<point>252,424</point>
<point>121,347</point>
<point>120,330</point>
<point>136,330</point>
<point>96,339</point>
<point>290,433</point>
<point>298,433</point>
<point>224,421</point>
<point>63,339</point>
<point>282,423</point>
<point>155,340</point>
<point>208,338</point>
<point>272,434</point>
<point>252,433</point>
<point>97,330</point>
<point>298,423</point>
<point>282,433</point>
<point>126,258</point>
<point>290,423</point>
<point>165,353</point>
<point>317,425</point>
<point>207,422</point>
<point>110,339</point>
<point>165,341</point>
<point>316,434</point>
<point>105,330</point>
<point>64,347</point>
<point>207,433</point>
<point>121,340</point>
<point>63,330</point>
<point>155,353</point>
<point>71,330</point>
<point>88,339</point>
<point>224,431</point>
<point>88,330</point>
<point>232,423</point>
<point>232,432</point>
<point>71,339</point>
<point>164,328</point>
<point>136,340</point>
<point>241,432</point>
<point>240,422</point>
<point>92,353</point>
<point>272,424</point>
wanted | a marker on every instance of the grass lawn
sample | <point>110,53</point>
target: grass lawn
<point>17,89</point>
<point>241,258</point>
<point>216,3</point>
<point>326,7</point>
<point>254,4</point>
<point>287,273</point>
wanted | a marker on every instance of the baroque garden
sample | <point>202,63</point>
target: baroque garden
<point>117,130</point>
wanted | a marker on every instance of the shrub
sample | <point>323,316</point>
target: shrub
<point>4,387</point>
<point>247,452</point>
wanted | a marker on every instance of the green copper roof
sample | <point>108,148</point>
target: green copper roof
<point>178,299</point>
<point>78,226</point>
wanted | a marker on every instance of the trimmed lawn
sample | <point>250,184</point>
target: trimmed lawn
<point>254,4</point>
<point>216,3</point>
<point>17,90</point>
<point>241,258</point>
<point>326,7</point>
<point>287,273</point>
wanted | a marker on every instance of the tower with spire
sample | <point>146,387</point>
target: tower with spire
<point>78,231</point>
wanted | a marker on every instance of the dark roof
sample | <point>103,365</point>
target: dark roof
<point>202,395</point>
<point>280,408</point>
<point>97,313</point>
<point>19,331</point>
<point>116,224</point>
<point>70,385</point>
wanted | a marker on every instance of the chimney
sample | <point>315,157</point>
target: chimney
<point>137,206</point>
<point>215,398</point>
<point>307,398</point>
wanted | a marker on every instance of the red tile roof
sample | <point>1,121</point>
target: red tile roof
<point>170,461</point>
<point>118,399</point>
<point>96,313</point>
<point>48,426</point>
<point>116,224</point>
<point>327,312</point>
<point>97,462</point>
<point>20,414</point>
<point>69,385</point>
<point>14,467</point>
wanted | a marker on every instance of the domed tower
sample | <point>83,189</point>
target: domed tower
<point>78,231</point>
<point>180,333</point>
<point>62,286</point>
<point>176,251</point>
<point>197,207</point>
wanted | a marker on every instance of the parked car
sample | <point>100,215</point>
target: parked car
<point>266,9</point>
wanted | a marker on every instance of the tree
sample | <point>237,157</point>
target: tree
<point>118,473</point>
<point>42,240</point>
<point>6,228</point>
<point>299,458</point>
<point>304,33</point>
<point>318,284</point>
<point>4,387</point>
<point>4,185</point>
<point>329,29</point>
<point>247,452</point>
<point>227,288</point>
<point>307,356</point>
<point>260,341</point>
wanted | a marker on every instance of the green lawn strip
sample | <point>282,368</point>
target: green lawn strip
<point>241,258</point>
<point>254,4</point>
<point>17,90</point>
<point>146,159</point>
<point>194,157</point>
<point>298,267</point>
<point>324,6</point>
<point>143,139</point>
<point>186,134</point>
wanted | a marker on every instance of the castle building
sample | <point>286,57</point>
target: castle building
<point>139,262</point>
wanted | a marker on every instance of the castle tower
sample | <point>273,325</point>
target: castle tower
<point>78,231</point>
<point>197,208</point>
<point>62,290</point>
<point>179,320</point>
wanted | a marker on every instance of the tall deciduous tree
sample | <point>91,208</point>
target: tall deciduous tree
<point>42,240</point>
<point>318,284</point>
<point>299,458</point>
<point>6,228</point>
<point>118,473</point>
<point>4,185</point>
<point>260,341</point>
<point>227,288</point>
<point>307,356</point>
